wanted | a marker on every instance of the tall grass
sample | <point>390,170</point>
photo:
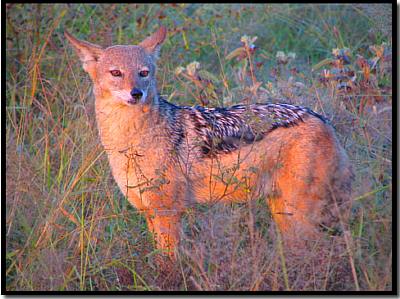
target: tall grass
<point>69,228</point>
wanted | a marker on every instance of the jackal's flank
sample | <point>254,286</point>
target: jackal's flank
<point>166,157</point>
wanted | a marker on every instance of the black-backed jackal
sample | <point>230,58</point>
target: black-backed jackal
<point>166,157</point>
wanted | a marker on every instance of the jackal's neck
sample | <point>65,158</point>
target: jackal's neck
<point>122,126</point>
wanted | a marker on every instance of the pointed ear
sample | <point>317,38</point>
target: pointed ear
<point>87,52</point>
<point>153,43</point>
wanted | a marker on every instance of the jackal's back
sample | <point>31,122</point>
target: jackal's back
<point>223,130</point>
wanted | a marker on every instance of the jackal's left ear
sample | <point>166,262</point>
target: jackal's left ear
<point>153,43</point>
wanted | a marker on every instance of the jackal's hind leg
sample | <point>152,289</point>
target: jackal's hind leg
<point>297,208</point>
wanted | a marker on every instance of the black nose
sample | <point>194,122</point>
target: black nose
<point>136,93</point>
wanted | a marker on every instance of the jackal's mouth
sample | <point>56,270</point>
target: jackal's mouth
<point>124,96</point>
<point>133,101</point>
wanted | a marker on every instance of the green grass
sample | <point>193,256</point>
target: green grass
<point>67,225</point>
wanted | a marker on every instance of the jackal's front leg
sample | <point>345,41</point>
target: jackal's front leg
<point>165,225</point>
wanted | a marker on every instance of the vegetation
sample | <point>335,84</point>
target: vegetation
<point>67,225</point>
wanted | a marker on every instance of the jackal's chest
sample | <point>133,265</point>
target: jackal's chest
<point>137,171</point>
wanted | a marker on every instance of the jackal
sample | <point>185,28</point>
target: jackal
<point>165,157</point>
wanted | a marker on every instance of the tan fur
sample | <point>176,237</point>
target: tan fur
<point>294,168</point>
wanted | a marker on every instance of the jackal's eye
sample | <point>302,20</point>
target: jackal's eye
<point>143,73</point>
<point>116,73</point>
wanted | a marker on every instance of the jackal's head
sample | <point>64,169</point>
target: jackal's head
<point>124,74</point>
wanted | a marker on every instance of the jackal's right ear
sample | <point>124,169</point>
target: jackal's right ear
<point>87,52</point>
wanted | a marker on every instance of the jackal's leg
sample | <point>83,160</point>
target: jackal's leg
<point>296,203</point>
<point>294,219</point>
<point>165,227</point>
<point>309,204</point>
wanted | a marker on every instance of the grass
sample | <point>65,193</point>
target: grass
<point>67,225</point>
